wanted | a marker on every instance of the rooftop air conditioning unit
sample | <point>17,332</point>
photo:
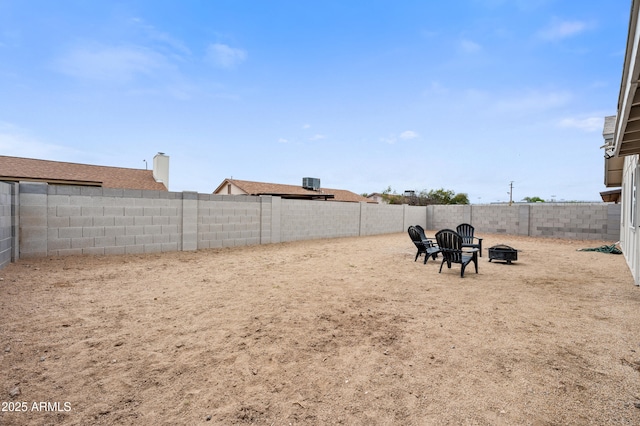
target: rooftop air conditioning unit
<point>311,183</point>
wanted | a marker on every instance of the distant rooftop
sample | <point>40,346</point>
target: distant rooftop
<point>58,172</point>
<point>290,191</point>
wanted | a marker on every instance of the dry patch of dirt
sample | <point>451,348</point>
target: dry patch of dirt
<point>346,331</point>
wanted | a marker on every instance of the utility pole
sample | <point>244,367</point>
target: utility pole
<point>511,193</point>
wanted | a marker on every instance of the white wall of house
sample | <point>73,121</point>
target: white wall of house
<point>377,198</point>
<point>629,219</point>
<point>230,189</point>
<point>624,144</point>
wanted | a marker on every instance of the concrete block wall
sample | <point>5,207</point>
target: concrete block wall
<point>271,220</point>
<point>86,220</point>
<point>61,220</point>
<point>306,220</point>
<point>415,215</point>
<point>499,219</point>
<point>614,214</point>
<point>448,216</point>
<point>575,220</point>
<point>384,219</point>
<point>189,220</point>
<point>33,224</point>
<point>229,221</point>
<point>587,221</point>
<point>7,205</point>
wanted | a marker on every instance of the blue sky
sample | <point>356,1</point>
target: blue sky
<point>461,95</point>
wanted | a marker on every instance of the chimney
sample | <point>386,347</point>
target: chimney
<point>161,168</point>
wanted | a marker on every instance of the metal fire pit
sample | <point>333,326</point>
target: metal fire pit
<point>503,252</point>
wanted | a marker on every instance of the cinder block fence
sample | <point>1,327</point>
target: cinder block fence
<point>38,219</point>
<point>8,215</point>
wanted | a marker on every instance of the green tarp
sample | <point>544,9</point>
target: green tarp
<point>604,249</point>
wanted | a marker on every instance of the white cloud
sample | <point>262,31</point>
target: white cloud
<point>470,46</point>
<point>306,126</point>
<point>562,29</point>
<point>590,124</point>
<point>160,37</point>
<point>224,56</point>
<point>408,134</point>
<point>317,137</point>
<point>283,140</point>
<point>17,142</point>
<point>110,63</point>
<point>391,139</point>
<point>146,71</point>
<point>435,88</point>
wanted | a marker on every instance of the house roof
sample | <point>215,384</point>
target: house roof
<point>627,126</point>
<point>612,165</point>
<point>57,172</point>
<point>292,191</point>
<point>612,196</point>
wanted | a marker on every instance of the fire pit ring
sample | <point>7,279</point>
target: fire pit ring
<point>503,252</point>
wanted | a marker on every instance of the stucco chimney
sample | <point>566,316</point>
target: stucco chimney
<point>161,168</point>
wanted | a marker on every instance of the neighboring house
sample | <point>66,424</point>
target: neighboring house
<point>377,198</point>
<point>310,190</point>
<point>17,169</point>
<point>625,146</point>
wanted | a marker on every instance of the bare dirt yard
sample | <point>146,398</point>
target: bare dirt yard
<point>346,331</point>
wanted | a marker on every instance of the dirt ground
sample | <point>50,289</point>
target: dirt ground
<point>346,331</point>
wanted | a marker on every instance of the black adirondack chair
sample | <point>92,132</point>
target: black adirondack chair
<point>466,231</point>
<point>424,246</point>
<point>451,247</point>
<point>431,242</point>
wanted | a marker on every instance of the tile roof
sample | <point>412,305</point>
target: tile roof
<point>292,191</point>
<point>28,169</point>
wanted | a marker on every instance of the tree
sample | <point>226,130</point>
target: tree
<point>533,200</point>
<point>460,198</point>
<point>447,196</point>
<point>425,198</point>
<point>391,196</point>
<point>440,196</point>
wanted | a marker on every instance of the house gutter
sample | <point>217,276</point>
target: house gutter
<point>629,83</point>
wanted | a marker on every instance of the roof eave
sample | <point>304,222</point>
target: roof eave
<point>612,196</point>
<point>51,181</point>
<point>300,196</point>
<point>613,167</point>
<point>627,128</point>
<point>224,182</point>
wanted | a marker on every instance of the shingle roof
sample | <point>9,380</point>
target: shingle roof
<point>28,169</point>
<point>292,191</point>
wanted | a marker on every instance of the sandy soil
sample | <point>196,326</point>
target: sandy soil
<point>346,331</point>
